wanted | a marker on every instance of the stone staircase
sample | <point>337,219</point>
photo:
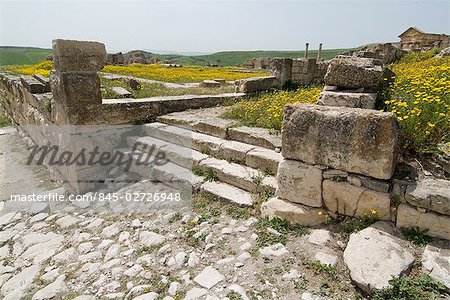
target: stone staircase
<point>205,158</point>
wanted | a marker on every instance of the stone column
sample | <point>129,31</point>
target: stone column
<point>306,50</point>
<point>75,83</point>
<point>319,53</point>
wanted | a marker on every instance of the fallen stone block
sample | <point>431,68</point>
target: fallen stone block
<point>432,194</point>
<point>347,199</point>
<point>32,85</point>
<point>437,225</point>
<point>121,92</point>
<point>44,80</point>
<point>256,84</point>
<point>72,56</point>
<point>299,183</point>
<point>343,99</point>
<point>359,141</point>
<point>375,254</point>
<point>296,214</point>
<point>436,262</point>
<point>210,84</point>
<point>355,72</point>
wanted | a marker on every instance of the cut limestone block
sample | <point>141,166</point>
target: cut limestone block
<point>343,99</point>
<point>263,159</point>
<point>299,183</point>
<point>255,136</point>
<point>121,92</point>
<point>256,84</point>
<point>375,254</point>
<point>72,56</point>
<point>355,72</point>
<point>355,140</point>
<point>437,225</point>
<point>234,151</point>
<point>296,214</point>
<point>44,80</point>
<point>210,84</point>
<point>33,85</point>
<point>227,192</point>
<point>350,200</point>
<point>432,194</point>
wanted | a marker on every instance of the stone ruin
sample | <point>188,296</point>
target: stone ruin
<point>137,58</point>
<point>338,157</point>
<point>115,59</point>
<point>387,53</point>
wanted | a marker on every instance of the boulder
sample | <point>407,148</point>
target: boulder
<point>296,214</point>
<point>256,84</point>
<point>354,140</point>
<point>436,262</point>
<point>355,72</point>
<point>299,183</point>
<point>437,225</point>
<point>33,85</point>
<point>432,194</point>
<point>132,83</point>
<point>72,56</point>
<point>347,199</point>
<point>343,99</point>
<point>375,254</point>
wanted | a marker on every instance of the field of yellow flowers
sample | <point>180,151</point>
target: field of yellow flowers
<point>266,110</point>
<point>180,75</point>
<point>153,72</point>
<point>420,98</point>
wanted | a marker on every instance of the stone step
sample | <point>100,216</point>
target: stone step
<point>240,176</point>
<point>209,121</point>
<point>242,153</point>
<point>168,173</point>
<point>226,192</point>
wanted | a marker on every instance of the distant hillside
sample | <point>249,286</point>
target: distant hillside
<point>28,55</point>
<point>232,58</point>
<point>22,55</point>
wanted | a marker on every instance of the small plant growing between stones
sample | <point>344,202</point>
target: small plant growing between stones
<point>319,267</point>
<point>210,175</point>
<point>416,236</point>
<point>257,179</point>
<point>238,212</point>
<point>197,171</point>
<point>176,217</point>
<point>351,225</point>
<point>420,287</point>
<point>205,150</point>
<point>267,172</point>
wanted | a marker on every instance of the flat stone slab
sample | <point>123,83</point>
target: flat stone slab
<point>227,192</point>
<point>33,85</point>
<point>375,254</point>
<point>256,84</point>
<point>432,194</point>
<point>209,277</point>
<point>255,136</point>
<point>343,99</point>
<point>354,140</point>
<point>121,92</point>
<point>436,262</point>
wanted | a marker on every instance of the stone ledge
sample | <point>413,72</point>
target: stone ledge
<point>296,214</point>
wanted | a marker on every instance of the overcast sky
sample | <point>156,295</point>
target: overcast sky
<point>209,26</point>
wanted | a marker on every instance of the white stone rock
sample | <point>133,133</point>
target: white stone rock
<point>85,297</point>
<point>292,274</point>
<point>173,288</point>
<point>319,237</point>
<point>110,231</point>
<point>296,214</point>
<point>38,217</point>
<point>436,261</point>
<point>67,221</point>
<point>84,248</point>
<point>4,252</point>
<point>150,238</point>
<point>58,287</point>
<point>133,271</point>
<point>112,252</point>
<point>64,256</point>
<point>243,257</point>
<point>136,223</point>
<point>42,251</point>
<point>209,277</point>
<point>240,290</point>
<point>375,254</point>
<point>147,296</point>
<point>274,250</point>
<point>21,281</point>
<point>326,258</point>
<point>180,258</point>
<point>193,260</point>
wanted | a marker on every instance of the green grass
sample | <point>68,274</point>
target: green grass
<point>416,236</point>
<point>22,55</point>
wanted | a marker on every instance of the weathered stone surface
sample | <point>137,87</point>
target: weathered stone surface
<point>299,183</point>
<point>44,80</point>
<point>263,159</point>
<point>319,237</point>
<point>21,281</point>
<point>350,200</point>
<point>51,291</point>
<point>256,84</point>
<point>210,84</point>
<point>255,136</point>
<point>437,225</point>
<point>274,250</point>
<point>355,140</point>
<point>433,194</point>
<point>71,56</point>
<point>209,277</point>
<point>227,192</point>
<point>326,258</point>
<point>132,83</point>
<point>354,72</point>
<point>121,92</point>
<point>294,213</point>
<point>150,238</point>
<point>375,254</point>
<point>436,262</point>
<point>32,85</point>
<point>343,99</point>
<point>234,151</point>
<point>444,52</point>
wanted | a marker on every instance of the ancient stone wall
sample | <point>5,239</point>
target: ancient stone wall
<point>298,72</point>
<point>339,159</point>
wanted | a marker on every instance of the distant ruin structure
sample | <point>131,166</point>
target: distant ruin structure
<point>415,39</point>
<point>115,59</point>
